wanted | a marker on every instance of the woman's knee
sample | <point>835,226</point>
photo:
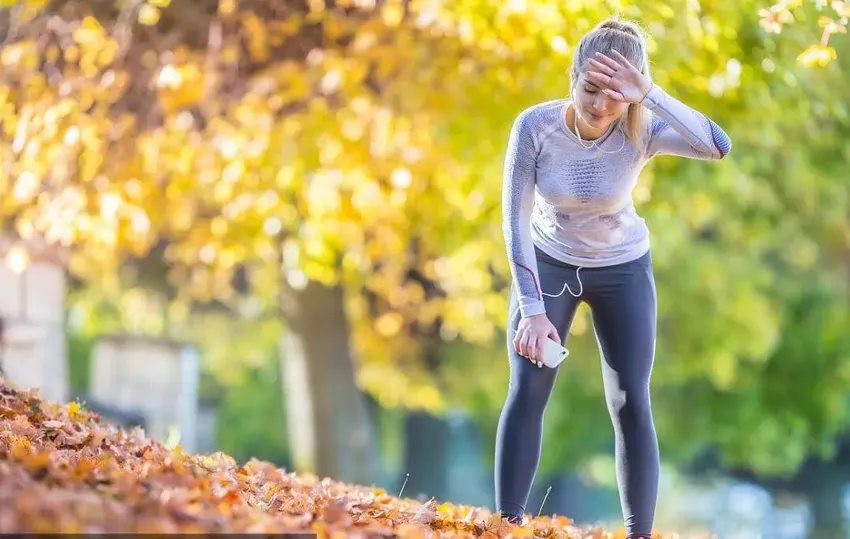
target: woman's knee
<point>630,401</point>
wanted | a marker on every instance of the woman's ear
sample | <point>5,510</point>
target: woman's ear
<point>574,76</point>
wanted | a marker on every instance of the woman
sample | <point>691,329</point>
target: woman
<point>572,234</point>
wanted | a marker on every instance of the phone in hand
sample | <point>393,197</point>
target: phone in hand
<point>553,353</point>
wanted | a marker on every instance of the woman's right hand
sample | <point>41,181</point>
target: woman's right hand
<point>530,333</point>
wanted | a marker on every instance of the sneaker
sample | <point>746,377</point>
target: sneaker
<point>513,519</point>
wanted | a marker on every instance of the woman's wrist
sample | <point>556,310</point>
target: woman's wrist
<point>646,93</point>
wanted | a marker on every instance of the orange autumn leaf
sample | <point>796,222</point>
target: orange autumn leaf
<point>37,462</point>
<point>20,449</point>
<point>84,468</point>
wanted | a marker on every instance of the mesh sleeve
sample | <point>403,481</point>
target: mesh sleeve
<point>517,203</point>
<point>678,129</point>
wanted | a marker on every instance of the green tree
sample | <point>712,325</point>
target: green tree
<point>735,244</point>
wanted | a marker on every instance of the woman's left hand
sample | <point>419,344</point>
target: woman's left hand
<point>619,79</point>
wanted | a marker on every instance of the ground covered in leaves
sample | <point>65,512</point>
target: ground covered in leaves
<point>62,469</point>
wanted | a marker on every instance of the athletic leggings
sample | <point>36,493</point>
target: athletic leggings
<point>623,305</point>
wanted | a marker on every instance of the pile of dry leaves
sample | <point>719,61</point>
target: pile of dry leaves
<point>62,470</point>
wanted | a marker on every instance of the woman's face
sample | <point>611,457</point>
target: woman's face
<point>594,107</point>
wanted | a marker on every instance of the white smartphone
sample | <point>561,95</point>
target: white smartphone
<point>553,353</point>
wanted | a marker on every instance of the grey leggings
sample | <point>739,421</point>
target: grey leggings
<point>623,305</point>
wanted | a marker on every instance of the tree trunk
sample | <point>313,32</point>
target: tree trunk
<point>826,502</point>
<point>426,455</point>
<point>329,427</point>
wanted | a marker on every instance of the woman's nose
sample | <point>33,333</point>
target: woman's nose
<point>599,103</point>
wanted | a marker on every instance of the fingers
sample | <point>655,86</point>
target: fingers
<point>621,59</point>
<point>599,78</point>
<point>537,352</point>
<point>613,94</point>
<point>608,61</point>
<point>525,345</point>
<point>519,345</point>
<point>601,68</point>
<point>608,84</point>
<point>533,349</point>
<point>528,344</point>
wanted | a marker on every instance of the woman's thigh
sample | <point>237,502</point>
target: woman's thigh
<point>622,301</point>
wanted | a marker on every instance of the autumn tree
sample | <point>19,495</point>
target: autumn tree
<point>290,147</point>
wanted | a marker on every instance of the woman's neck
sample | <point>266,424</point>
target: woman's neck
<point>585,131</point>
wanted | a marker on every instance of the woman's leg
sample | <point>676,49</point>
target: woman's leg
<point>520,428</point>
<point>623,302</point>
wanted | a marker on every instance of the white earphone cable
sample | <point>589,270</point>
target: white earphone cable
<point>567,287</point>
<point>592,142</point>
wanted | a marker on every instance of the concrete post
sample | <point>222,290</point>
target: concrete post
<point>156,376</point>
<point>32,307</point>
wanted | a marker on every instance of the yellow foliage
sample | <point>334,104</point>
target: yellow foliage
<point>817,55</point>
<point>777,16</point>
<point>149,15</point>
<point>349,146</point>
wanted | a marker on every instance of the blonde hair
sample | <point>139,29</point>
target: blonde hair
<point>628,39</point>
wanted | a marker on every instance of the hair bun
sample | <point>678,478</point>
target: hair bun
<point>621,25</point>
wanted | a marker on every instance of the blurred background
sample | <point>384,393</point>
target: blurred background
<point>273,229</point>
